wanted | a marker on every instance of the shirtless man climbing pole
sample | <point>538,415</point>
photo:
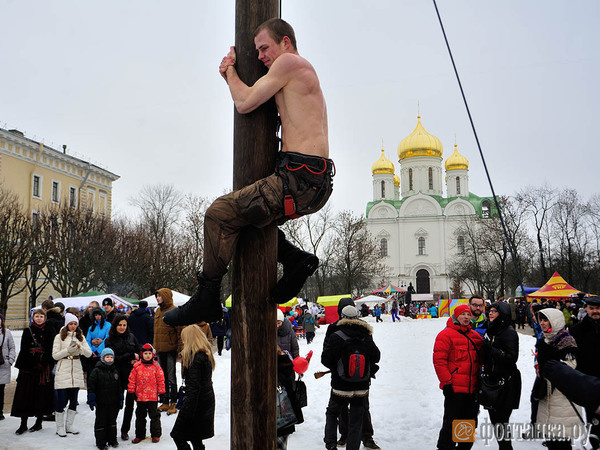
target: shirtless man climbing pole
<point>301,184</point>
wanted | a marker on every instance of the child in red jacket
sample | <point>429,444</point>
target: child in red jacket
<point>147,381</point>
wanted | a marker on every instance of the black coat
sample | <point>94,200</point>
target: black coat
<point>286,377</point>
<point>34,393</point>
<point>501,355</point>
<point>125,347</point>
<point>333,347</point>
<point>104,381</point>
<point>141,324</point>
<point>54,321</point>
<point>587,336</point>
<point>196,418</point>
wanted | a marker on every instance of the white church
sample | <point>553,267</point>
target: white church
<point>418,228</point>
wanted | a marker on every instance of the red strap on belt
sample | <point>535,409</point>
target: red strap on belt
<point>289,206</point>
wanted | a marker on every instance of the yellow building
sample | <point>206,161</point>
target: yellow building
<point>42,176</point>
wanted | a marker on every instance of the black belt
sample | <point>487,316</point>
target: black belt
<point>293,162</point>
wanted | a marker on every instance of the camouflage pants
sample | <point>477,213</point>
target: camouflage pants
<point>262,203</point>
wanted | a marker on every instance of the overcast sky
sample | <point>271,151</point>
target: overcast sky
<point>133,86</point>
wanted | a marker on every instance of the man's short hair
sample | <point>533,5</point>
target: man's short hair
<point>278,29</point>
<point>475,296</point>
<point>47,304</point>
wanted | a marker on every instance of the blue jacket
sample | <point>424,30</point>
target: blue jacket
<point>98,332</point>
<point>377,312</point>
<point>433,311</point>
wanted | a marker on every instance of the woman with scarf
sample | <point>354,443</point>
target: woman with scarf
<point>127,349</point>
<point>68,348</point>
<point>501,351</point>
<point>554,408</point>
<point>34,394</point>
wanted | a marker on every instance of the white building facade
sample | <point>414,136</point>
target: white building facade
<point>418,228</point>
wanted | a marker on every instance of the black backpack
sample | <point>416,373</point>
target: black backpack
<point>353,365</point>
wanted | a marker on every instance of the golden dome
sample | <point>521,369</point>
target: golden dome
<point>457,161</point>
<point>396,180</point>
<point>382,165</point>
<point>420,143</point>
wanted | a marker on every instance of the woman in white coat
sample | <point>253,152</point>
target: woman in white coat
<point>69,345</point>
<point>9,354</point>
<point>554,408</point>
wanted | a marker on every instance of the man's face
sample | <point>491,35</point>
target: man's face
<point>268,49</point>
<point>107,308</point>
<point>593,311</point>
<point>477,306</point>
<point>464,319</point>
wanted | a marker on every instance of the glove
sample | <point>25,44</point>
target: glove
<point>121,400</point>
<point>72,348</point>
<point>545,352</point>
<point>91,400</point>
<point>448,391</point>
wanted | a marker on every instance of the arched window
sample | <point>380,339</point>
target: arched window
<point>457,185</point>
<point>460,245</point>
<point>382,189</point>
<point>421,246</point>
<point>485,209</point>
<point>383,247</point>
<point>430,179</point>
<point>410,180</point>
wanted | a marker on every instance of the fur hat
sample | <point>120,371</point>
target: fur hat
<point>105,352</point>
<point>71,318</point>
<point>349,312</point>
<point>280,315</point>
<point>461,309</point>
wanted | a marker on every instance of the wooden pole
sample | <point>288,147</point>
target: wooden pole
<point>253,359</point>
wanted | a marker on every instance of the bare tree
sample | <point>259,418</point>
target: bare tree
<point>160,206</point>
<point>357,261</point>
<point>15,247</point>
<point>76,242</point>
<point>35,277</point>
<point>539,201</point>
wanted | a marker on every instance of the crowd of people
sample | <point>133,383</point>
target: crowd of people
<point>475,359</point>
<point>125,361</point>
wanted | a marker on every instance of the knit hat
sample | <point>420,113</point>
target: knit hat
<point>143,304</point>
<point>106,351</point>
<point>349,312</point>
<point>71,318</point>
<point>461,309</point>
<point>147,347</point>
<point>107,301</point>
<point>280,315</point>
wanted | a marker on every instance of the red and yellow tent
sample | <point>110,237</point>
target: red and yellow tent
<point>389,289</point>
<point>556,288</point>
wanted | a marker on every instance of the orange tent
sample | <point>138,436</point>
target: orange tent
<point>556,288</point>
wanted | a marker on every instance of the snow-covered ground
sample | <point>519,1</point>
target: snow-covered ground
<point>406,403</point>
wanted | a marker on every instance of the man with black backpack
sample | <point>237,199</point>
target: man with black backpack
<point>352,357</point>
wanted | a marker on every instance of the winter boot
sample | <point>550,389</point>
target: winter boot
<point>60,424</point>
<point>370,443</point>
<point>37,426</point>
<point>341,442</point>
<point>298,265</point>
<point>172,409</point>
<point>204,305</point>
<point>23,428</point>
<point>164,407</point>
<point>70,419</point>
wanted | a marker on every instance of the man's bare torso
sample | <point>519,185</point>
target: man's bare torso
<point>302,109</point>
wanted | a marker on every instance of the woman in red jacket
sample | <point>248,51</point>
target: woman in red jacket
<point>457,362</point>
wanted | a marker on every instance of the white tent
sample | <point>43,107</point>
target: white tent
<point>370,299</point>
<point>82,303</point>
<point>178,299</point>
